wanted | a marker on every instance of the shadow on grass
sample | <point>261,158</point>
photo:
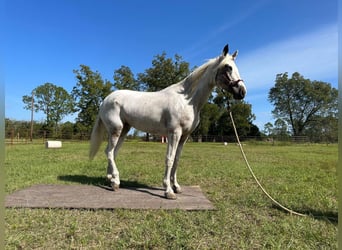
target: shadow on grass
<point>103,183</point>
<point>329,216</point>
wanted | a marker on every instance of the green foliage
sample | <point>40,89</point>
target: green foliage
<point>302,177</point>
<point>164,72</point>
<point>243,118</point>
<point>210,113</point>
<point>301,102</point>
<point>323,129</point>
<point>67,130</point>
<point>124,79</point>
<point>242,113</point>
<point>13,128</point>
<point>89,92</point>
<point>279,129</point>
<point>52,100</point>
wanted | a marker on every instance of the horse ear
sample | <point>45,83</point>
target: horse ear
<point>225,50</point>
<point>235,54</point>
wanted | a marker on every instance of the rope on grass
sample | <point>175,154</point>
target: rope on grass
<point>252,173</point>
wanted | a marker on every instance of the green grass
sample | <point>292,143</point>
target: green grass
<point>302,177</point>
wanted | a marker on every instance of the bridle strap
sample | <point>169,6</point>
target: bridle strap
<point>236,82</point>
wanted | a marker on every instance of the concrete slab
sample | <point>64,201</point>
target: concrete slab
<point>101,197</point>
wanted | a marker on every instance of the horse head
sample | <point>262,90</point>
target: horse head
<point>228,77</point>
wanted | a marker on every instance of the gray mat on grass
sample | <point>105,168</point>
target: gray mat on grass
<point>101,197</point>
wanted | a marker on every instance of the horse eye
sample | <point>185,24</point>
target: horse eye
<point>228,67</point>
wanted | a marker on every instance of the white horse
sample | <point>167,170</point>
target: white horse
<point>173,111</point>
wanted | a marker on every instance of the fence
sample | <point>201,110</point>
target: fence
<point>22,136</point>
<point>13,136</point>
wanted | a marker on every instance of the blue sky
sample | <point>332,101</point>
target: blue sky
<point>44,41</point>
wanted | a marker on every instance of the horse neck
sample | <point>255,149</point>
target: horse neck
<point>199,85</point>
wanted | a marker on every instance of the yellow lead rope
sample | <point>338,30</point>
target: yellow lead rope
<point>255,178</point>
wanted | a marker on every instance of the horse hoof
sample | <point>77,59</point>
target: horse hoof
<point>177,190</point>
<point>115,186</point>
<point>170,196</point>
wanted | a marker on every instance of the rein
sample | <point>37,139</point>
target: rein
<point>252,173</point>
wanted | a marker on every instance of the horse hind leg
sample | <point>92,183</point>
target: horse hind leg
<point>122,137</point>
<point>112,171</point>
<point>114,143</point>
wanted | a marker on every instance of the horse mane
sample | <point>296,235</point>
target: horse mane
<point>191,82</point>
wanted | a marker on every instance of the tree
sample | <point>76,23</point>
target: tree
<point>299,101</point>
<point>53,101</point>
<point>323,129</point>
<point>124,79</point>
<point>89,92</point>
<point>243,118</point>
<point>268,129</point>
<point>242,113</point>
<point>280,128</point>
<point>164,72</point>
<point>210,113</point>
<point>67,130</point>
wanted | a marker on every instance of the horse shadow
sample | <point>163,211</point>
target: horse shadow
<point>103,183</point>
<point>328,216</point>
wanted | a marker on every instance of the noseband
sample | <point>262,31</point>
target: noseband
<point>232,82</point>
<point>236,82</point>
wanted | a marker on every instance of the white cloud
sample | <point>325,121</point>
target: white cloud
<point>313,55</point>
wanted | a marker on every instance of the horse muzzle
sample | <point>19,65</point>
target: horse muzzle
<point>240,95</point>
<point>239,89</point>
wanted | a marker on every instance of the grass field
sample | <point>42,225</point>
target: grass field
<point>302,177</point>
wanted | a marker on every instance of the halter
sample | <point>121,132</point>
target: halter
<point>236,82</point>
<point>232,82</point>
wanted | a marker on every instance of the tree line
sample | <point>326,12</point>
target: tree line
<point>301,107</point>
<point>304,108</point>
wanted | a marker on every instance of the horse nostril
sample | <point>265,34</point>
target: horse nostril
<point>242,93</point>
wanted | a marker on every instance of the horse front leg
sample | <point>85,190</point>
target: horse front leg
<point>176,187</point>
<point>173,141</point>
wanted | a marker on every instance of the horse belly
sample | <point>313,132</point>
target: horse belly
<point>146,123</point>
<point>145,114</point>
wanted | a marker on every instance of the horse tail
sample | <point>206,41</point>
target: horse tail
<point>96,137</point>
